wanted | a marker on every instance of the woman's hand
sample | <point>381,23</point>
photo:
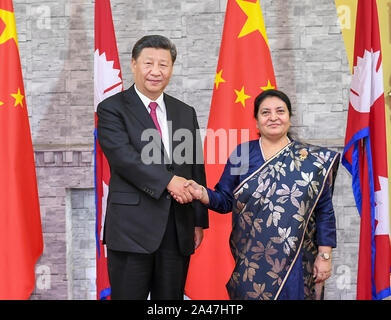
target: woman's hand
<point>322,267</point>
<point>197,191</point>
<point>194,191</point>
<point>177,188</point>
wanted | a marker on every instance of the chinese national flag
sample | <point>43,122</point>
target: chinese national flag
<point>244,70</point>
<point>21,241</point>
<point>107,81</point>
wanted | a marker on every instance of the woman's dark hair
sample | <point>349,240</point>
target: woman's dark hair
<point>271,93</point>
<point>154,41</point>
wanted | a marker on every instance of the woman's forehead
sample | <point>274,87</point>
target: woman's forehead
<point>272,102</point>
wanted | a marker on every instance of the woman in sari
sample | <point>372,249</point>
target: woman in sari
<point>283,224</point>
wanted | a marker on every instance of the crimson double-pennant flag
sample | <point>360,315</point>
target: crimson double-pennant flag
<point>244,70</point>
<point>107,81</point>
<point>21,242</point>
<point>365,156</point>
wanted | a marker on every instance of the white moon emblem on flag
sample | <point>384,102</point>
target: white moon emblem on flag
<point>105,77</point>
<point>367,83</point>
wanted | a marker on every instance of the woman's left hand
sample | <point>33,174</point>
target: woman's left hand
<point>322,269</point>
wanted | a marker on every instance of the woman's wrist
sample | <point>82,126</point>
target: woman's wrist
<point>204,197</point>
<point>324,252</point>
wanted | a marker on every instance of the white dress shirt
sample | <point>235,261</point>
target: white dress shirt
<point>161,114</point>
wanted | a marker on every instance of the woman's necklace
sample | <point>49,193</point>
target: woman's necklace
<point>260,145</point>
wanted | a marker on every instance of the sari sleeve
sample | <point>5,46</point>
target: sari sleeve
<point>326,232</point>
<point>221,198</point>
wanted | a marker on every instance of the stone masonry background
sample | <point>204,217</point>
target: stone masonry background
<point>56,41</point>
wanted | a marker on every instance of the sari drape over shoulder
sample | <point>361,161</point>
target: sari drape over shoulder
<point>273,225</point>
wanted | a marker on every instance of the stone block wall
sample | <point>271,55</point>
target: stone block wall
<point>65,186</point>
<point>56,41</point>
<point>81,244</point>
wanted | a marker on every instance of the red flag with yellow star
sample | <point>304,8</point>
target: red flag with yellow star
<point>244,70</point>
<point>21,241</point>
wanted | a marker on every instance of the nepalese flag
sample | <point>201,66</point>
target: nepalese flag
<point>365,156</point>
<point>107,81</point>
<point>244,70</point>
<point>21,241</point>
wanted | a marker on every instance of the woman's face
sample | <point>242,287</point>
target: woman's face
<point>273,119</point>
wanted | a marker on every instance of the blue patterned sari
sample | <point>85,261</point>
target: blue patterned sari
<point>273,224</point>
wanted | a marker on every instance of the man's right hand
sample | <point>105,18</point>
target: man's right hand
<point>197,191</point>
<point>178,190</point>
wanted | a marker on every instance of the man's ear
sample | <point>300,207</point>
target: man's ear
<point>133,65</point>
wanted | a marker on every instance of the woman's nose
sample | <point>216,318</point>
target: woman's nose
<point>273,116</point>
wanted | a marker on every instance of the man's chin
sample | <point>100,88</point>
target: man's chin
<point>156,90</point>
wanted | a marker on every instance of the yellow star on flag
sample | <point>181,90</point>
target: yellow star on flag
<point>254,19</point>
<point>1,103</point>
<point>219,79</point>
<point>18,98</point>
<point>268,86</point>
<point>241,97</point>
<point>9,31</point>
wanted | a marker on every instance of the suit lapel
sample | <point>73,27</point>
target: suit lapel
<point>173,119</point>
<point>139,111</point>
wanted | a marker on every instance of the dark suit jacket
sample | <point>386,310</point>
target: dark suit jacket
<point>138,204</point>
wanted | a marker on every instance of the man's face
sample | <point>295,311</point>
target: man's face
<point>152,71</point>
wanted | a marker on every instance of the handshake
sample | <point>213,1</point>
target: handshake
<point>185,191</point>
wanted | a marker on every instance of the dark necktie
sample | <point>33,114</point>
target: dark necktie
<point>153,106</point>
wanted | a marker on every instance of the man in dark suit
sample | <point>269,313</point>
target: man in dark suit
<point>150,236</point>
